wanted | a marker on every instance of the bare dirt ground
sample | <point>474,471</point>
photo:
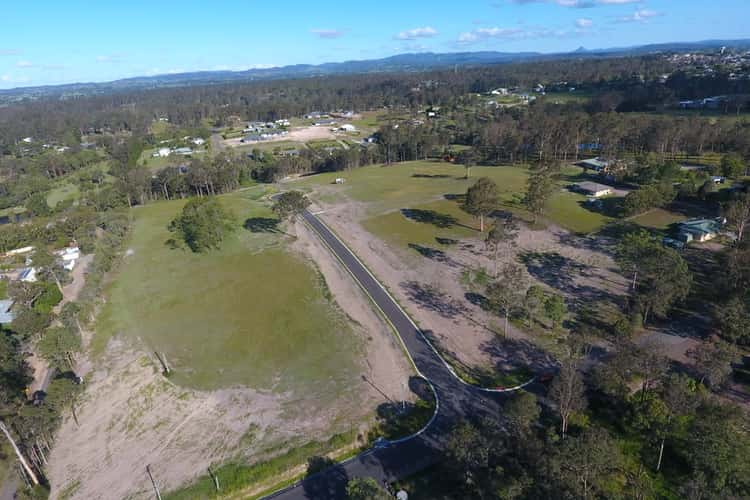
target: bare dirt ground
<point>432,292</point>
<point>131,415</point>
<point>298,134</point>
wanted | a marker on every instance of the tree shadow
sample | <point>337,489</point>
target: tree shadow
<point>431,176</point>
<point>262,225</point>
<point>459,198</point>
<point>446,241</point>
<point>325,478</point>
<point>432,299</point>
<point>563,273</point>
<point>429,217</point>
<point>510,354</point>
<point>435,254</point>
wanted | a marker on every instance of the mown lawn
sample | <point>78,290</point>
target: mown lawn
<point>249,314</point>
<point>658,218</point>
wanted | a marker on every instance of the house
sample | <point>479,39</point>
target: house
<point>199,141</point>
<point>314,115</point>
<point>340,180</point>
<point>183,151</point>
<point>164,152</point>
<point>593,189</point>
<point>348,127</point>
<point>251,138</point>
<point>594,164</point>
<point>324,122</point>
<point>717,179</point>
<point>699,230</point>
<point>28,275</point>
<point>500,91</point>
<point>6,316</point>
<point>19,251</point>
<point>28,140</point>
<point>69,257</point>
<point>88,145</point>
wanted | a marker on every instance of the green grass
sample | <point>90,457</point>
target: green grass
<point>62,192</point>
<point>658,218</point>
<point>423,185</point>
<point>567,210</point>
<point>249,314</point>
<point>234,477</point>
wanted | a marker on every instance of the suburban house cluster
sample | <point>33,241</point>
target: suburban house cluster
<point>67,258</point>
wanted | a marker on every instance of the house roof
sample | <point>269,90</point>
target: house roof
<point>700,226</point>
<point>595,163</point>
<point>593,187</point>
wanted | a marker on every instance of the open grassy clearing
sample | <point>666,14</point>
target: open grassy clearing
<point>62,192</point>
<point>248,314</point>
<point>658,218</point>
<point>417,202</point>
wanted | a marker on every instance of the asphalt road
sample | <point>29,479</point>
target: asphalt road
<point>456,399</point>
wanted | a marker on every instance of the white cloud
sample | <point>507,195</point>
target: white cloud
<point>24,64</point>
<point>484,33</point>
<point>4,78</point>
<point>328,33</point>
<point>639,16</point>
<point>584,22</point>
<point>579,4</point>
<point>9,52</point>
<point>413,34</point>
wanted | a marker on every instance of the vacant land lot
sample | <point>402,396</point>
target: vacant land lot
<point>269,353</point>
<point>407,224</point>
<point>414,187</point>
<point>250,314</point>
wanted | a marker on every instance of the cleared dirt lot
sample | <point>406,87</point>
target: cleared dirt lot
<point>428,280</point>
<point>297,134</point>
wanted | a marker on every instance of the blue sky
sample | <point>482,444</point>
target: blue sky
<point>49,42</point>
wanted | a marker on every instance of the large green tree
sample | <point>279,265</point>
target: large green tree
<point>364,488</point>
<point>539,187</point>
<point>508,292</point>
<point>481,199</point>
<point>290,204</point>
<point>203,224</point>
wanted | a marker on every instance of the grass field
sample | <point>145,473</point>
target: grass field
<point>417,202</point>
<point>658,218</point>
<point>249,314</point>
<point>62,192</point>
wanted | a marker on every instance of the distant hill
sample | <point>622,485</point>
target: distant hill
<point>398,63</point>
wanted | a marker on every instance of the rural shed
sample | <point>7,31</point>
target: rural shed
<point>593,189</point>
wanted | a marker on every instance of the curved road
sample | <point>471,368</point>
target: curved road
<point>455,399</point>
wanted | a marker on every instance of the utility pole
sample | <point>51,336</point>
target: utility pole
<point>23,461</point>
<point>153,483</point>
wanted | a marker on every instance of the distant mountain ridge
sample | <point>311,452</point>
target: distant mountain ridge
<point>399,63</point>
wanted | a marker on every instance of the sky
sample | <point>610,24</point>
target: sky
<point>51,41</point>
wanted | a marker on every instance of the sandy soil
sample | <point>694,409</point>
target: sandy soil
<point>132,416</point>
<point>298,134</point>
<point>432,292</point>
